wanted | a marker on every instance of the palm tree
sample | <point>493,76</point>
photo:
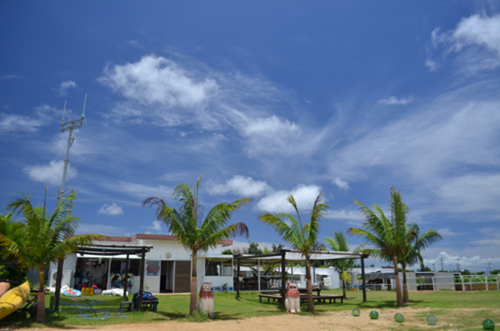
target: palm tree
<point>413,252</point>
<point>339,244</point>
<point>303,237</point>
<point>185,223</point>
<point>45,238</point>
<point>10,229</point>
<point>388,236</point>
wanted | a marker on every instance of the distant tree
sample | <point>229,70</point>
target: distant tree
<point>466,272</point>
<point>278,248</point>
<point>339,244</point>
<point>371,266</point>
<point>253,248</point>
<point>480,273</point>
<point>186,224</point>
<point>425,268</point>
<point>495,272</point>
<point>303,237</point>
<point>227,252</point>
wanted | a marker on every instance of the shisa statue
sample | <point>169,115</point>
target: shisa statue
<point>206,303</point>
<point>292,299</point>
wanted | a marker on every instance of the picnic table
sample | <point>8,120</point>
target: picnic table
<point>304,290</point>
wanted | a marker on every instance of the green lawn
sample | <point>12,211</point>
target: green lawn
<point>176,307</point>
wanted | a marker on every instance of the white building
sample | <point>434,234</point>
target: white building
<point>168,266</point>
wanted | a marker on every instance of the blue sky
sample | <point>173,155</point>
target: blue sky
<point>264,99</point>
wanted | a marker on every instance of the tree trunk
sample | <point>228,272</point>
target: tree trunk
<point>40,312</point>
<point>193,307</point>
<point>406,298</point>
<point>344,289</point>
<point>399,297</point>
<point>310,303</point>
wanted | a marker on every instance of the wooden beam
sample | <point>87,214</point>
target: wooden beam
<point>141,284</point>
<point>363,277</point>
<point>283,278</point>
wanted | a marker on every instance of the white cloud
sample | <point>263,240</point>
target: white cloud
<point>63,89</point>
<point>276,202</point>
<point>479,30</point>
<point>476,41</point>
<point>395,101</point>
<point>51,173</point>
<point>341,183</point>
<point>156,226</point>
<point>240,185</point>
<point>269,127</point>
<point>447,232</point>
<point>155,80</point>
<point>112,210</point>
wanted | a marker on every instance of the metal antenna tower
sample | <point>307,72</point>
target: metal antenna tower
<point>442,263</point>
<point>69,126</point>
<point>458,264</point>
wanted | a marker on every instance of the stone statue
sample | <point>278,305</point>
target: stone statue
<point>292,300</point>
<point>206,303</point>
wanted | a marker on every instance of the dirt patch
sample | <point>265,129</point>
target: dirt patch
<point>286,322</point>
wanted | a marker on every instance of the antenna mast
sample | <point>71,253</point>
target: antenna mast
<point>69,126</point>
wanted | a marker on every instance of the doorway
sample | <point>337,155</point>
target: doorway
<point>167,277</point>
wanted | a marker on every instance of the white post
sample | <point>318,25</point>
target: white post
<point>433,284</point>
<point>258,273</point>
<point>486,279</point>
<point>463,283</point>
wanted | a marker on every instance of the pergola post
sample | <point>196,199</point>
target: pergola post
<point>125,280</point>
<point>238,279</point>
<point>58,285</point>
<point>363,277</point>
<point>283,278</point>
<point>141,283</point>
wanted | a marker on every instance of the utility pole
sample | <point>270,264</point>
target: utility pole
<point>434,267</point>
<point>68,126</point>
<point>458,264</point>
<point>442,264</point>
<point>489,267</point>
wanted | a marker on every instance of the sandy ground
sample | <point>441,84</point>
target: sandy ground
<point>286,322</point>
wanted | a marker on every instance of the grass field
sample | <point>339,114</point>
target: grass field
<point>480,305</point>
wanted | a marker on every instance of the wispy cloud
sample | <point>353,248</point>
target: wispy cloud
<point>112,210</point>
<point>341,183</point>
<point>65,86</point>
<point>395,101</point>
<point>107,230</point>
<point>139,190</point>
<point>43,115</point>
<point>51,173</point>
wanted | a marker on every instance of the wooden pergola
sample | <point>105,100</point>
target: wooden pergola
<point>293,256</point>
<point>108,250</point>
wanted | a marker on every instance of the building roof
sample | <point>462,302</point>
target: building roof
<point>161,237</point>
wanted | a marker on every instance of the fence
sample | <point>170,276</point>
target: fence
<point>444,281</point>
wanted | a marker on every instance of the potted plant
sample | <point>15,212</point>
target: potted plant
<point>240,276</point>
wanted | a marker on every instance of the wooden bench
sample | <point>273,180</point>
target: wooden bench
<point>128,304</point>
<point>150,303</point>
<point>303,298</point>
